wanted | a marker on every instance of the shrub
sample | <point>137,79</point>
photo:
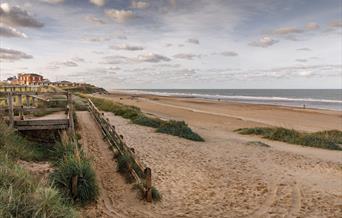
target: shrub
<point>147,121</point>
<point>87,189</point>
<point>179,128</point>
<point>331,139</point>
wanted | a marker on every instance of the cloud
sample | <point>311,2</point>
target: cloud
<point>119,15</point>
<point>312,26</point>
<point>153,58</point>
<point>301,60</point>
<point>13,55</point>
<point>336,24</point>
<point>94,19</point>
<point>8,31</point>
<point>286,31</point>
<point>97,39</point>
<point>264,42</point>
<point>193,41</point>
<point>53,1</point>
<point>56,65</point>
<point>77,59</point>
<point>15,16</point>
<point>139,4</point>
<point>99,3</point>
<point>303,49</point>
<point>229,53</point>
<point>186,56</point>
<point>127,47</point>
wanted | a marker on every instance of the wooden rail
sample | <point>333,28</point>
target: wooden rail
<point>136,169</point>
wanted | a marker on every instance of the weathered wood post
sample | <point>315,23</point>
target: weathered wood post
<point>148,176</point>
<point>70,114</point>
<point>27,100</point>
<point>21,107</point>
<point>10,109</point>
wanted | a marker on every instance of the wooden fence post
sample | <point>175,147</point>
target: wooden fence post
<point>148,176</point>
<point>27,100</point>
<point>21,109</point>
<point>10,110</point>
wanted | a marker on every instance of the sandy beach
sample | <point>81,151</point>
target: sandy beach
<point>224,176</point>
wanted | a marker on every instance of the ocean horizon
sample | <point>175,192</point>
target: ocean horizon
<point>330,99</point>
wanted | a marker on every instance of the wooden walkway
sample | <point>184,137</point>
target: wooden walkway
<point>54,121</point>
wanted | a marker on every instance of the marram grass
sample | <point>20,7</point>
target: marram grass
<point>331,139</point>
<point>176,128</point>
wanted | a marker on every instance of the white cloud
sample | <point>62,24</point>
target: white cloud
<point>139,4</point>
<point>8,31</point>
<point>186,56</point>
<point>151,57</point>
<point>193,41</point>
<point>94,19</point>
<point>128,47</point>
<point>99,3</point>
<point>303,49</point>
<point>312,26</point>
<point>119,15</point>
<point>229,53</point>
<point>286,30</point>
<point>301,60</point>
<point>15,16</point>
<point>264,42</point>
<point>13,55</point>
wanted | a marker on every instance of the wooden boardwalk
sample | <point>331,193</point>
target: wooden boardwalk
<point>56,121</point>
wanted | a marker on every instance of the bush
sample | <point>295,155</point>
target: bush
<point>331,139</point>
<point>179,128</point>
<point>147,121</point>
<point>87,189</point>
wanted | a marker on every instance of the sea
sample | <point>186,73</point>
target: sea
<point>330,99</point>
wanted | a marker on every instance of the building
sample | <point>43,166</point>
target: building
<point>28,79</point>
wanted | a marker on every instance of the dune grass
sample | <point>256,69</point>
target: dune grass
<point>21,194</point>
<point>70,167</point>
<point>331,139</point>
<point>171,127</point>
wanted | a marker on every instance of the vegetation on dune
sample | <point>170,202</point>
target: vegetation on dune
<point>331,139</point>
<point>71,168</point>
<point>21,194</point>
<point>87,89</point>
<point>172,127</point>
<point>179,128</point>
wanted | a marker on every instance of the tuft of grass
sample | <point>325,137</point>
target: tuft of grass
<point>21,195</point>
<point>331,139</point>
<point>156,196</point>
<point>87,188</point>
<point>176,128</point>
<point>179,128</point>
<point>15,146</point>
<point>147,121</point>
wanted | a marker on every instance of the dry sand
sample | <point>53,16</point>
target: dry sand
<point>224,176</point>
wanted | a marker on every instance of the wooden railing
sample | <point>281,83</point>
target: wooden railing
<point>141,174</point>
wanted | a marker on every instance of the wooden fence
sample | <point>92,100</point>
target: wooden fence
<point>141,174</point>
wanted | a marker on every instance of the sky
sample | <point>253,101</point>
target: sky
<point>156,44</point>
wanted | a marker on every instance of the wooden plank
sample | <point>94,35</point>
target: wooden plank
<point>41,122</point>
<point>50,127</point>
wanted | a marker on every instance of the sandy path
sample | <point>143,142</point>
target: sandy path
<point>117,199</point>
